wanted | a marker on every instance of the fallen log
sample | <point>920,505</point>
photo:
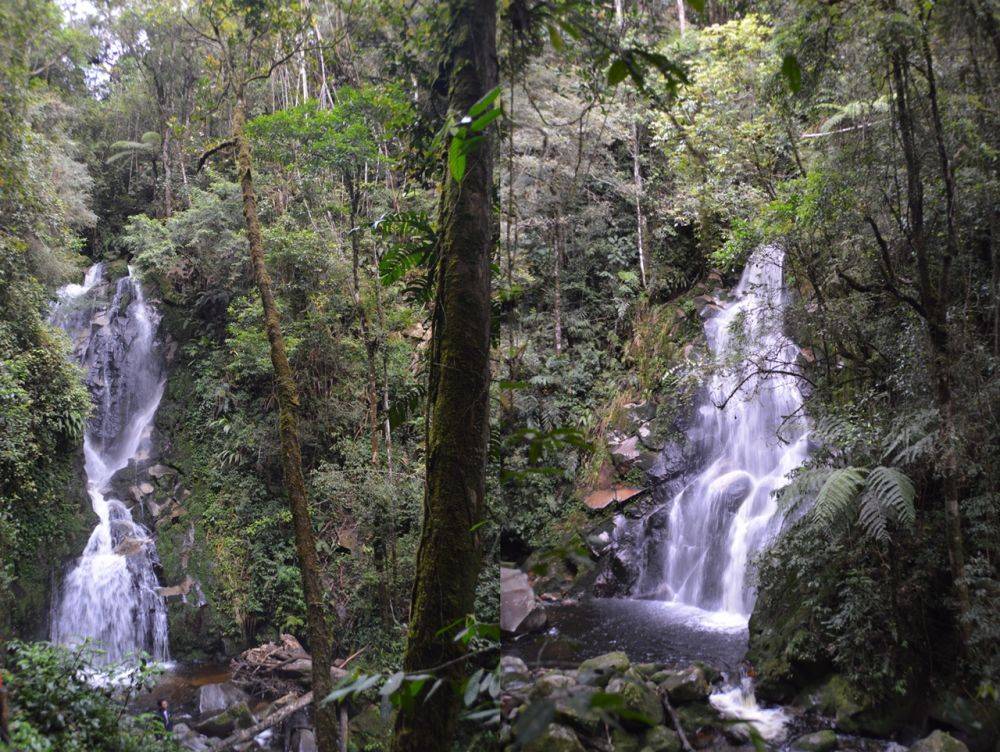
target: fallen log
<point>275,718</point>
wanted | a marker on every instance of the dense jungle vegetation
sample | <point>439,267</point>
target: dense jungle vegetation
<point>417,263</point>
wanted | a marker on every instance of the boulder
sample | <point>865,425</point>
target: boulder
<point>555,738</point>
<point>190,739</point>
<point>939,741</point>
<point>225,723</point>
<point>513,669</point>
<point>145,488</point>
<point>214,698</point>
<point>637,698</point>
<point>977,721</point>
<point>661,739</point>
<point>369,729</point>
<point>553,683</point>
<point>519,611</point>
<point>599,670</point>
<point>626,452</point>
<point>818,741</point>
<point>575,709</point>
<point>689,685</point>
<point>159,471</point>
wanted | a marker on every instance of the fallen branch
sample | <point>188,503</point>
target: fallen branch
<point>277,717</point>
<point>677,724</point>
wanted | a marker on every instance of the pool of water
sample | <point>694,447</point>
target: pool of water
<point>647,631</point>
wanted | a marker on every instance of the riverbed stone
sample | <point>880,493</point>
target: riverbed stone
<point>688,685</point>
<point>661,739</point>
<point>225,723</point>
<point>700,722</point>
<point>637,698</point>
<point>214,698</point>
<point>513,670</point>
<point>519,609</point>
<point>555,738</point>
<point>574,708</point>
<point>818,741</point>
<point>939,741</point>
<point>607,664</point>
<point>190,739</point>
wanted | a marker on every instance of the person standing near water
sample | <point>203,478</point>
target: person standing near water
<point>163,711</point>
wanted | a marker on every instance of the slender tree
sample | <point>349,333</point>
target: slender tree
<point>449,557</point>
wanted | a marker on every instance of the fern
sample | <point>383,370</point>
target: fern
<point>854,112</point>
<point>912,437</point>
<point>148,147</point>
<point>873,497</point>
<point>838,496</point>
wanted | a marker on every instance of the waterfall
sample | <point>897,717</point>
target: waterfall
<point>750,430</point>
<point>110,596</point>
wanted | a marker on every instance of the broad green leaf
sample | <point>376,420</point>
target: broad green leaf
<point>617,72</point>
<point>485,119</point>
<point>484,102</point>
<point>456,159</point>
<point>556,38</point>
<point>792,72</point>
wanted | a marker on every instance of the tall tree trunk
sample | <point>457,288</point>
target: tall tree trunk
<point>449,556</point>
<point>935,304</point>
<point>320,643</point>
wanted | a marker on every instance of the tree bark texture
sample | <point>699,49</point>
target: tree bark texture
<point>449,557</point>
<point>325,717</point>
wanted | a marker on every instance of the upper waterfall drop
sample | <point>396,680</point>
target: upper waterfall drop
<point>110,597</point>
<point>751,433</point>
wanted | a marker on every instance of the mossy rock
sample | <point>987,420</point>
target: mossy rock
<point>368,728</point>
<point>939,741</point>
<point>637,698</point>
<point>661,739</point>
<point>555,738</point>
<point>688,685</point>
<point>225,723</point>
<point>599,670</point>
<point>818,741</point>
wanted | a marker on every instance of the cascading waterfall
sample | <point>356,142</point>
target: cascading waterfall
<point>751,431</point>
<point>110,596</point>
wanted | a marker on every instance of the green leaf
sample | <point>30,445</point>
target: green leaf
<point>698,5</point>
<point>485,119</point>
<point>792,72</point>
<point>533,720</point>
<point>394,683</point>
<point>484,102</point>
<point>472,688</point>
<point>617,72</point>
<point>456,159</point>
<point>556,38</point>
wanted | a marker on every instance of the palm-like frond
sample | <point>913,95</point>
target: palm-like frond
<point>854,112</point>
<point>912,437</point>
<point>148,147</point>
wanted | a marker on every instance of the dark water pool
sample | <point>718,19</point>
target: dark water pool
<point>648,631</point>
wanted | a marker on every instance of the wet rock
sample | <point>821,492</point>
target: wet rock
<point>599,670</point>
<point>637,698</point>
<point>555,738</point>
<point>626,452</point>
<point>225,723</point>
<point>130,546</point>
<point>159,471</point>
<point>145,488</point>
<point>818,741</point>
<point>190,739</point>
<point>178,591</point>
<point>214,698</point>
<point>700,723</point>
<point>661,739</point>
<point>977,721</point>
<point>575,709</point>
<point>369,729</point>
<point>513,669</point>
<point>939,741</point>
<point>552,684</point>
<point>689,685</point>
<point>519,611</point>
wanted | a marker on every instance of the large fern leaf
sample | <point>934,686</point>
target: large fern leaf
<point>889,491</point>
<point>835,505</point>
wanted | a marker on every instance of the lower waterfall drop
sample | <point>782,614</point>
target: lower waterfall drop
<point>110,596</point>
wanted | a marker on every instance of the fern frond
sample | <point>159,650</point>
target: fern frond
<point>893,490</point>
<point>834,508</point>
<point>852,112</point>
<point>803,487</point>
<point>912,437</point>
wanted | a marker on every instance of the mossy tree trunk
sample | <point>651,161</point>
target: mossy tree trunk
<point>320,642</point>
<point>449,557</point>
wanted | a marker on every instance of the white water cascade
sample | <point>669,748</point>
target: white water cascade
<point>751,432</point>
<point>110,596</point>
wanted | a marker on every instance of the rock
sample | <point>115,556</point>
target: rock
<point>299,670</point>
<point>637,698</point>
<point>225,723</point>
<point>600,669</point>
<point>158,471</point>
<point>818,741</point>
<point>190,739</point>
<point>131,546</point>
<point>519,612</point>
<point>661,739</point>
<point>939,741</point>
<point>689,685</point>
<point>214,698</point>
<point>602,497</point>
<point>976,720</point>
<point>179,590</point>
<point>513,669</point>
<point>626,452</point>
<point>552,683</point>
<point>625,741</point>
<point>146,488</point>
<point>700,722</point>
<point>369,729</point>
<point>574,708</point>
<point>555,738</point>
